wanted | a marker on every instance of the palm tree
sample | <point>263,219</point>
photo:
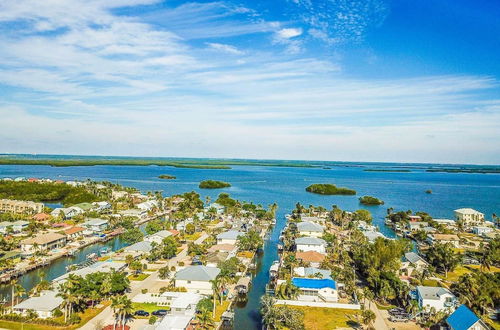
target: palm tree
<point>216,284</point>
<point>65,297</point>
<point>117,306</point>
<point>287,290</point>
<point>368,317</point>
<point>13,284</point>
<point>268,311</point>
<point>126,310</point>
<point>20,292</point>
<point>94,296</point>
<point>205,319</point>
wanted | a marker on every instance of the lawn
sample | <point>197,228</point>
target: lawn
<point>384,307</point>
<point>148,307</point>
<point>316,318</point>
<point>192,237</point>
<point>430,283</point>
<point>138,277</point>
<point>246,254</point>
<point>461,270</point>
<point>220,309</point>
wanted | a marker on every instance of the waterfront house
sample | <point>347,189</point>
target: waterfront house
<point>196,278</point>
<point>98,267</point>
<point>465,319</point>
<point>469,217</point>
<point>139,248</point>
<point>218,208</point>
<point>20,225</point>
<point>212,259</point>
<point>148,205</point>
<point>43,305</point>
<point>134,213</point>
<point>118,194</point>
<point>96,225</point>
<point>373,235</point>
<point>312,219</point>
<point>15,206</point>
<point>15,256</point>
<point>84,206</point>
<point>174,322</point>
<point>43,242</point>
<point>446,222</point>
<point>313,258</point>
<point>74,232</point>
<point>443,239</point>
<point>229,237</point>
<point>309,229</point>
<point>181,225</point>
<point>418,225</point>
<point>158,237</point>
<point>412,262</point>
<point>305,244</point>
<point>439,298</point>
<point>222,248</point>
<point>315,289</point>
<point>312,272</point>
<point>414,218</point>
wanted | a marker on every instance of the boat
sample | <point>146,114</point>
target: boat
<point>243,285</point>
<point>104,251</point>
<point>92,256</point>
<point>273,270</point>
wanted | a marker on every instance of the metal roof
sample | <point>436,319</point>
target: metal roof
<point>310,241</point>
<point>197,273</point>
<point>462,318</point>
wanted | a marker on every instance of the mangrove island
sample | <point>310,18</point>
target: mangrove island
<point>370,200</point>
<point>213,184</point>
<point>329,189</point>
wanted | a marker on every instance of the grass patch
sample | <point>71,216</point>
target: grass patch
<point>430,283</point>
<point>220,309</point>
<point>245,254</point>
<point>138,277</point>
<point>384,307</point>
<point>316,318</point>
<point>148,307</point>
<point>192,237</point>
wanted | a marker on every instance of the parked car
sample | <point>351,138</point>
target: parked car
<point>160,312</point>
<point>141,313</point>
<point>398,319</point>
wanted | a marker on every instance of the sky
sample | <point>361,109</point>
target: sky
<point>347,80</point>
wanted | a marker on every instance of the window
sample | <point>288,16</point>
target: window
<point>189,282</point>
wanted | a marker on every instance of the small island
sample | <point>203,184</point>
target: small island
<point>167,177</point>
<point>329,189</point>
<point>212,184</point>
<point>370,200</point>
<point>428,191</point>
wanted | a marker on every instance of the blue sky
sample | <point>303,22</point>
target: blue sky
<point>366,80</point>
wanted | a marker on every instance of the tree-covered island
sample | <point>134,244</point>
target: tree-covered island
<point>329,189</point>
<point>370,200</point>
<point>167,177</point>
<point>213,184</point>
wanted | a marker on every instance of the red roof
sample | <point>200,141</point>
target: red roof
<point>32,180</point>
<point>117,327</point>
<point>60,224</point>
<point>311,256</point>
<point>74,230</point>
<point>174,232</point>
<point>41,216</point>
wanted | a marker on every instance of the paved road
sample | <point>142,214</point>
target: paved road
<point>106,316</point>
<point>379,321</point>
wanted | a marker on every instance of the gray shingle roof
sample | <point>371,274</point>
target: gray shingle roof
<point>309,241</point>
<point>197,273</point>
<point>431,292</point>
<point>231,234</point>
<point>142,246</point>
<point>413,257</point>
<point>309,226</point>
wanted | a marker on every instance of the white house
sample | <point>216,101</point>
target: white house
<point>310,229</point>
<point>312,219</point>
<point>20,225</point>
<point>312,272</point>
<point>305,244</point>
<point>412,262</point>
<point>196,278</point>
<point>135,213</point>
<point>315,289</point>
<point>435,297</point>
<point>139,248</point>
<point>444,239</point>
<point>67,212</point>
<point>482,230</point>
<point>469,217</point>
<point>219,208</point>
<point>229,237</point>
<point>158,237</point>
<point>44,305</point>
<point>148,205</point>
<point>180,303</point>
<point>414,226</point>
<point>49,241</point>
<point>96,225</point>
<point>101,206</point>
<point>373,235</point>
<point>4,227</point>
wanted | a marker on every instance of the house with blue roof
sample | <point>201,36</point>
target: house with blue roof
<point>465,319</point>
<point>316,289</point>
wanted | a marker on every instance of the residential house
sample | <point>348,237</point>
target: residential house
<point>315,289</point>
<point>212,259</point>
<point>221,248</point>
<point>180,303</point>
<point>15,206</point>
<point>148,205</point>
<point>305,244</point>
<point>418,225</point>
<point>74,233</point>
<point>415,218</point>
<point>412,262</point>
<point>373,235</point>
<point>313,258</point>
<point>446,222</point>
<point>175,322</point>
<point>98,267</point>
<point>118,194</point>
<point>4,227</point>
<point>311,229</point>
<point>312,219</point>
<point>181,225</point>
<point>443,239</point>
<point>481,231</point>
<point>42,242</point>
<point>312,272</point>
<point>438,298</point>
<point>20,225</point>
<point>96,225</point>
<point>196,278</point>
<point>67,212</point>
<point>41,217</point>
<point>43,305</point>
<point>229,237</point>
<point>469,217</point>
<point>84,206</point>
<point>101,206</point>
<point>158,237</point>
<point>219,208</point>
<point>465,319</point>
<point>134,213</point>
<point>139,248</point>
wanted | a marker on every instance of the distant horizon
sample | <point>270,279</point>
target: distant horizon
<point>35,155</point>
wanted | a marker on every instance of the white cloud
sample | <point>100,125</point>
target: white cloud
<point>289,33</point>
<point>224,48</point>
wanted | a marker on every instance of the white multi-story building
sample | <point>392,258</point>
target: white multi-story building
<point>438,298</point>
<point>305,244</point>
<point>469,217</point>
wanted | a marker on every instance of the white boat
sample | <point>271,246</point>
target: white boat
<point>92,256</point>
<point>273,270</point>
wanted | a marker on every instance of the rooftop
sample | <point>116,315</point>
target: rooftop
<point>432,292</point>
<point>197,273</point>
<point>467,211</point>
<point>413,257</point>
<point>43,239</point>
<point>309,226</point>
<point>462,318</point>
<point>95,222</point>
<point>142,246</point>
<point>310,241</point>
<point>47,301</point>
<point>310,256</point>
<point>230,234</point>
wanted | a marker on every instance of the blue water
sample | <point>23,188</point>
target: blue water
<point>286,186</point>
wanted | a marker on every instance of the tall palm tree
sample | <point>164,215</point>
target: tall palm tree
<point>287,290</point>
<point>270,317</point>
<point>20,292</point>
<point>63,293</point>
<point>126,310</point>
<point>216,284</point>
<point>205,319</point>
<point>117,306</point>
<point>13,284</point>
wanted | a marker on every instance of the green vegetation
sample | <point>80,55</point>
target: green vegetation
<point>251,241</point>
<point>46,192</point>
<point>329,189</point>
<point>428,191</point>
<point>370,200</point>
<point>386,170</point>
<point>327,318</point>
<point>167,177</point>
<point>443,257</point>
<point>138,277</point>
<point>212,184</point>
<point>148,307</point>
<point>281,317</point>
<point>485,170</point>
<point>132,235</point>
